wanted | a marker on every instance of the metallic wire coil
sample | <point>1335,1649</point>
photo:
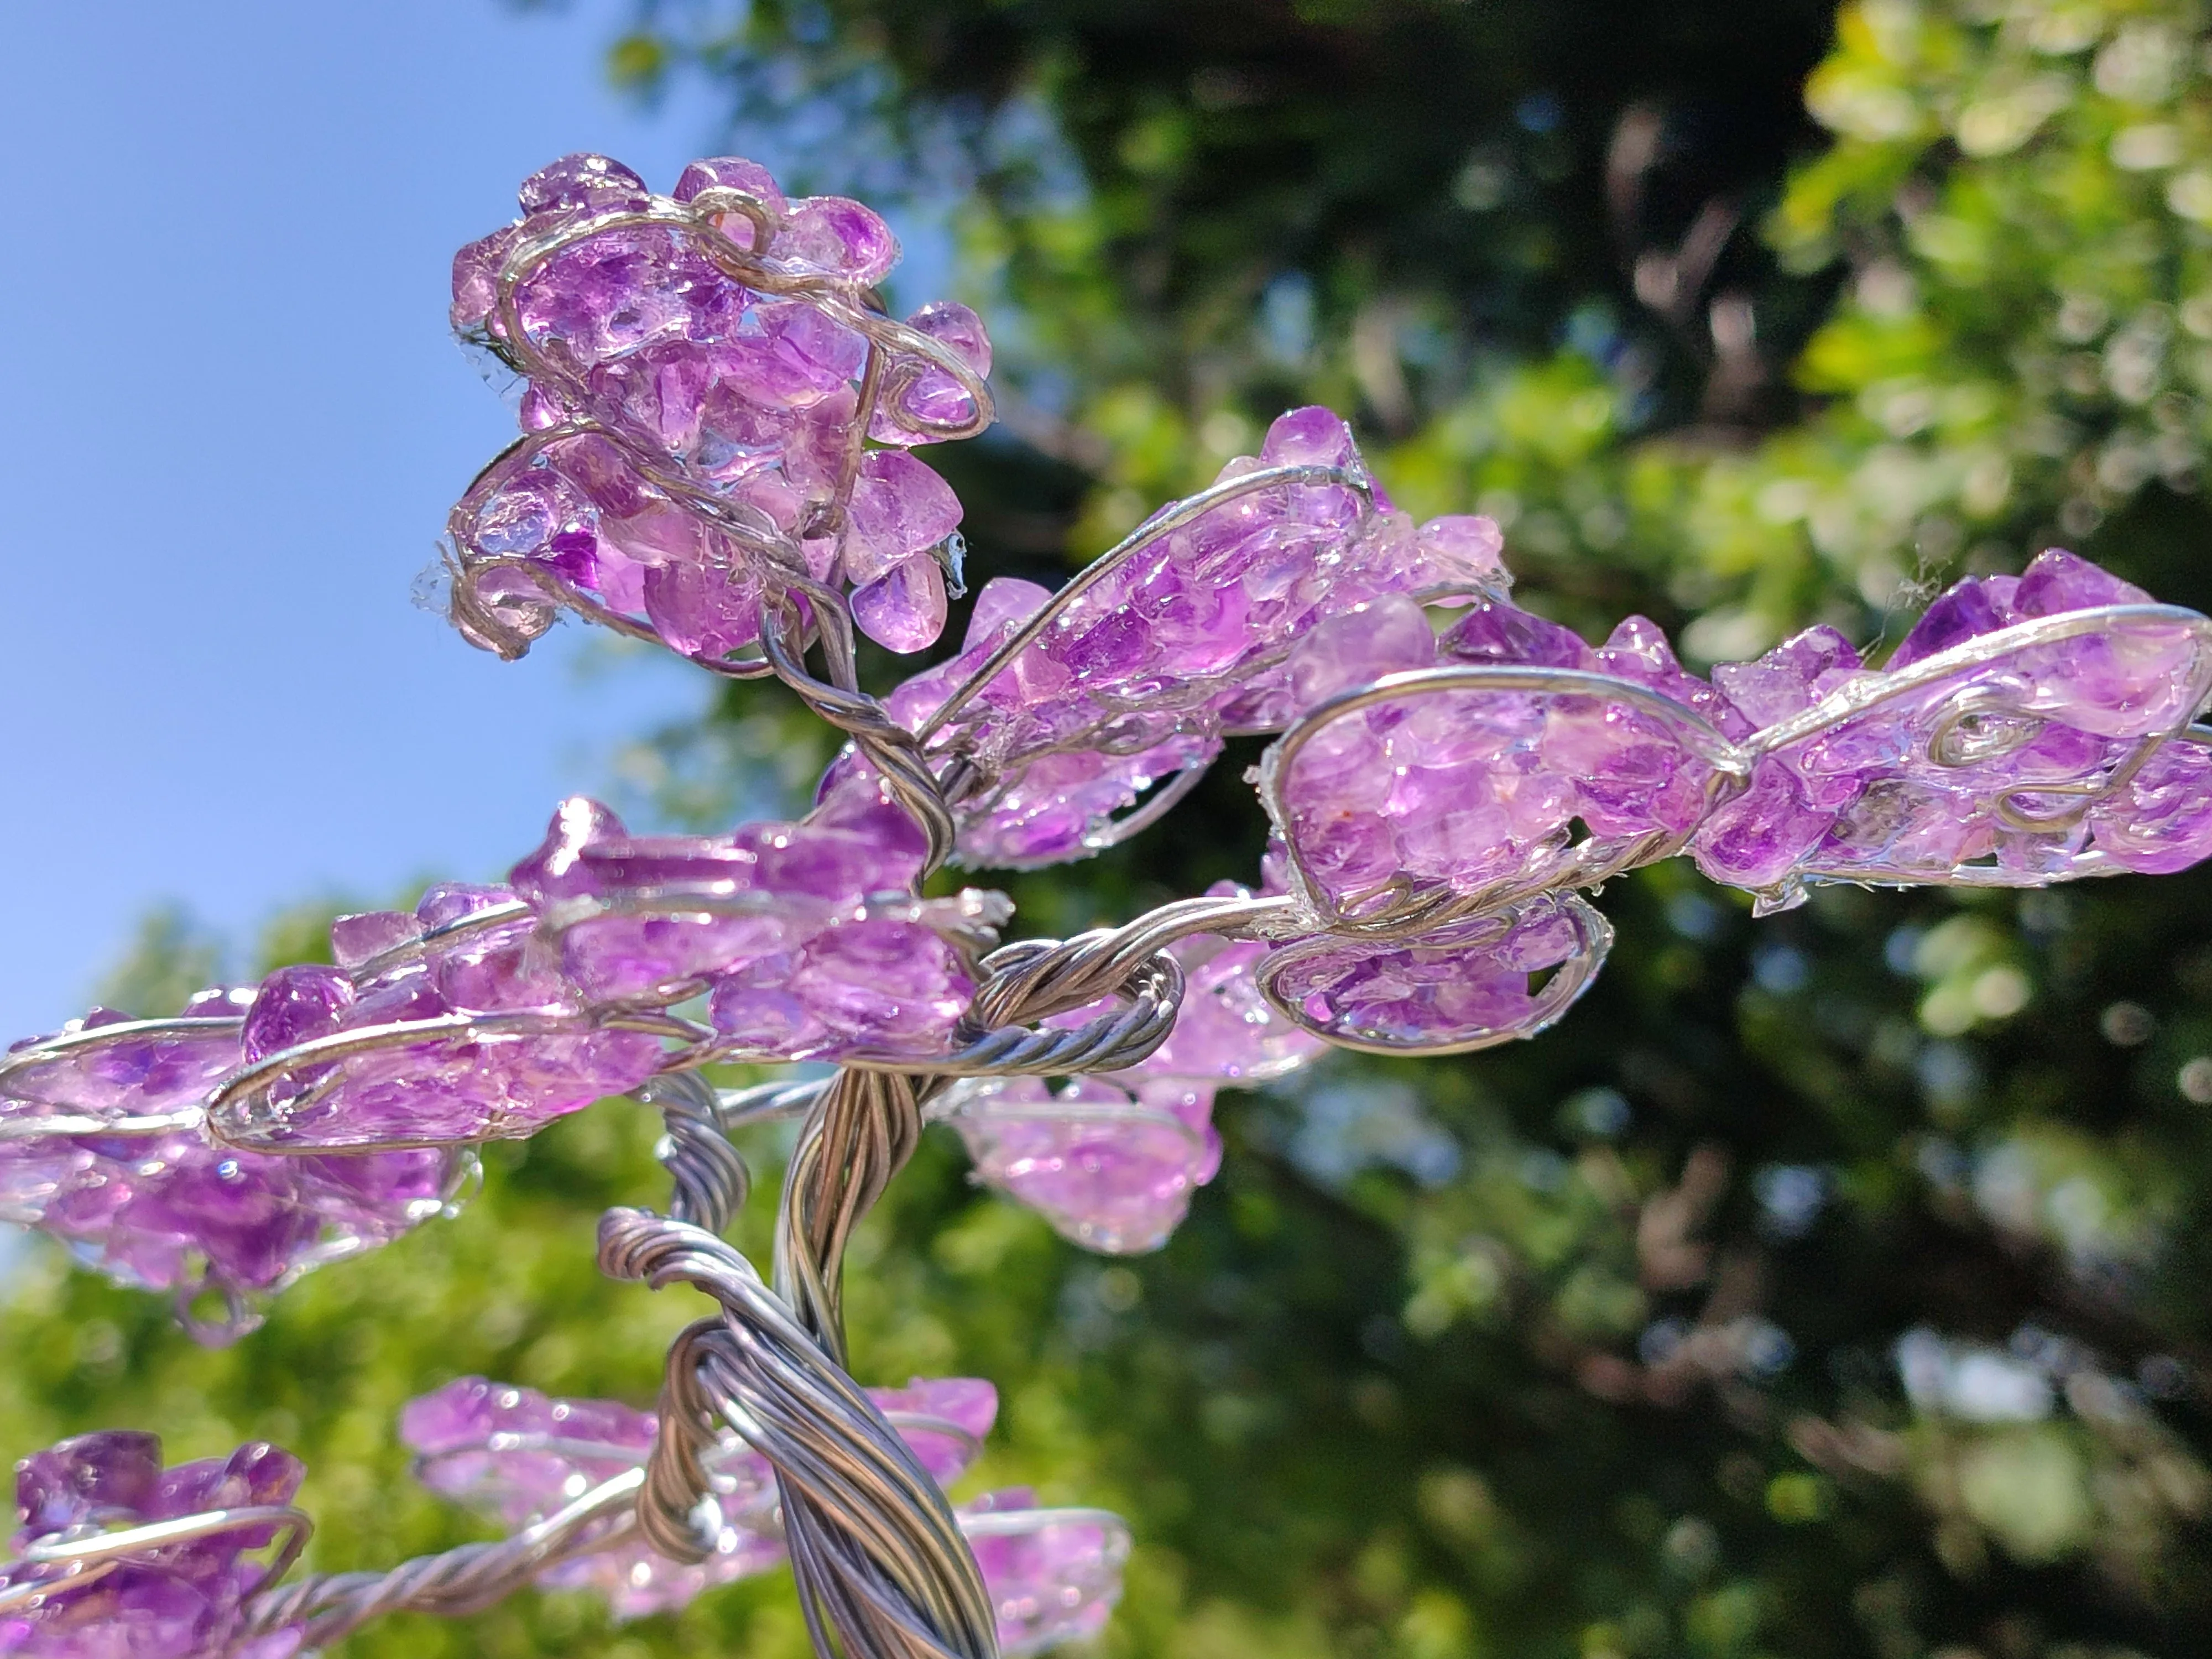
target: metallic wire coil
<point>858,1132</point>
<point>863,1125</point>
<point>462,1580</point>
<point>883,1569</point>
<point>1154,989</point>
<point>711,1180</point>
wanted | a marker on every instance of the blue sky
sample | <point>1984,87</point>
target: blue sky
<point>236,421</point>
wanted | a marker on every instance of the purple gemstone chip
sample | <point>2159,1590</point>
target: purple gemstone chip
<point>166,1208</point>
<point>520,1455</point>
<point>694,402</point>
<point>175,1600</point>
<point>1466,984</point>
<point>1112,1160</point>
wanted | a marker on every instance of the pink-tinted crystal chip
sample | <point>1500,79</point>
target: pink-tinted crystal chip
<point>449,1025</point>
<point>1111,1165</point>
<point>1111,1160</point>
<point>580,513</point>
<point>174,1210</point>
<point>1054,1575</point>
<point>921,396</point>
<point>181,1600</point>
<point>389,1059</point>
<point>2021,725</point>
<point>1456,785</point>
<point>166,1208</point>
<point>2160,820</point>
<point>1227,1031</point>
<point>663,362</point>
<point>520,1455</point>
<point>1465,985</point>
<point>805,936</point>
<point>1140,672</point>
<point>107,1065</point>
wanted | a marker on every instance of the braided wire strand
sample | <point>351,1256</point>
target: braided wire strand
<point>858,1132</point>
<point>894,751</point>
<point>1033,980</point>
<point>883,1569</point>
<point>462,1580</point>
<point>710,1178</point>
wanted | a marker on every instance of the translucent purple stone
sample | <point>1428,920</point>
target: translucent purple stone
<point>924,395</point>
<point>1137,677</point>
<point>805,937</point>
<point>1637,651</point>
<point>733,173</point>
<point>741,385</point>
<point>582,184</point>
<point>2055,583</point>
<point>1467,789</point>
<point>835,236</point>
<point>1495,634</point>
<point>516,1454</point>
<point>519,1455</point>
<point>1048,791</point>
<point>1342,653</point>
<point>169,1210</point>
<point>107,1065</point>
<point>1112,1160</point>
<point>502,1043</point>
<point>462,1087</point>
<point>172,1211</point>
<point>1051,1581</point>
<point>177,1602</point>
<point>899,509</point>
<point>1756,840</point>
<point>2159,819</point>
<point>902,610</point>
<point>1467,984</point>
<point>1458,556</point>
<point>581,510</point>
<point>1997,740</point>
<point>1111,1165</point>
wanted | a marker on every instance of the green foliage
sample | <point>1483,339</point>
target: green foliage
<point>169,959</point>
<point>1826,1285</point>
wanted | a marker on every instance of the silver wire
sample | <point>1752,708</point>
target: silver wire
<point>882,1565</point>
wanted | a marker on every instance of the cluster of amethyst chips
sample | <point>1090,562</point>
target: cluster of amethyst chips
<point>518,1456</point>
<point>118,1558</point>
<point>716,414</point>
<point>268,1128</point>
<point>104,1145</point>
<point>719,421</point>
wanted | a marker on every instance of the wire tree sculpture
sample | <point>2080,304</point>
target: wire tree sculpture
<point>719,421</point>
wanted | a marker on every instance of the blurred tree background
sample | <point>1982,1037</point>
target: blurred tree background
<point>1829,1285</point>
